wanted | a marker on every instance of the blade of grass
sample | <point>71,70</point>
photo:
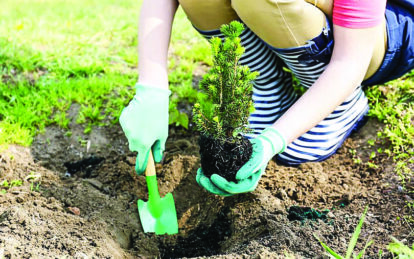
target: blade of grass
<point>363,250</point>
<point>355,236</point>
<point>328,249</point>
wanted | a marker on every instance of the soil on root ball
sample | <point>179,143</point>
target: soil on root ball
<point>223,158</point>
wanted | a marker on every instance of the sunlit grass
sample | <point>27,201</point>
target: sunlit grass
<point>54,53</point>
<point>393,105</point>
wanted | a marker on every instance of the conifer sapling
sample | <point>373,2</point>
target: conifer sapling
<point>221,114</point>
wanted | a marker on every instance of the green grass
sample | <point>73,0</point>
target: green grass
<point>54,53</point>
<point>393,105</point>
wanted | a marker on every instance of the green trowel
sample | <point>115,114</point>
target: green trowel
<point>157,214</point>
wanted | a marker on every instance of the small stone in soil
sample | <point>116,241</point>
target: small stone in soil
<point>74,210</point>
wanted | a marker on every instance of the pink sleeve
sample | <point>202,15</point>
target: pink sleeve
<point>358,13</point>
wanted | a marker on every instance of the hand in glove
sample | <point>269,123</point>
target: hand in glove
<point>206,183</point>
<point>145,123</point>
<point>265,146</point>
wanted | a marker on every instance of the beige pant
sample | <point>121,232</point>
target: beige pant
<point>280,23</point>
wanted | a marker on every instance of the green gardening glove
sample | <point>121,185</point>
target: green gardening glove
<point>145,123</point>
<point>206,183</point>
<point>265,146</point>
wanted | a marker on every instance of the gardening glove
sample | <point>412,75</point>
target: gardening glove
<point>206,183</point>
<point>145,123</point>
<point>265,146</point>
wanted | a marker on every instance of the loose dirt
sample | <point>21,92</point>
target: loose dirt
<point>84,203</point>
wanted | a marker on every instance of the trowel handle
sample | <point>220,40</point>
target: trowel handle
<point>150,170</point>
<point>151,177</point>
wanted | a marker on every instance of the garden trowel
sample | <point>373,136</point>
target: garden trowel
<point>157,214</point>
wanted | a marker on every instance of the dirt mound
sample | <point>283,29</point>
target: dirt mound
<point>33,225</point>
<point>86,202</point>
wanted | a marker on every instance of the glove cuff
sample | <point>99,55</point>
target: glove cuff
<point>152,89</point>
<point>275,138</point>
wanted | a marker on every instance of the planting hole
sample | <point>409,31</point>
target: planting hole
<point>203,241</point>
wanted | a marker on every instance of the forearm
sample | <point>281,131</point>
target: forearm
<point>351,56</point>
<point>329,91</point>
<point>153,40</point>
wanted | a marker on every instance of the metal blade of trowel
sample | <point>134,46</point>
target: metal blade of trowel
<point>158,214</point>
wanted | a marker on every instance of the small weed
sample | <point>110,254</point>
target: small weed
<point>410,216</point>
<point>35,181</point>
<point>357,161</point>
<point>12,183</point>
<point>16,183</point>
<point>88,129</point>
<point>5,185</point>
<point>355,158</point>
<point>352,243</point>
<point>400,250</point>
<point>372,165</point>
<point>82,142</point>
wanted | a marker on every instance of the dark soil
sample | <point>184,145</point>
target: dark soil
<point>223,158</point>
<point>88,207</point>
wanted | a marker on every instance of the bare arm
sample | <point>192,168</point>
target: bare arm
<point>154,37</point>
<point>351,56</point>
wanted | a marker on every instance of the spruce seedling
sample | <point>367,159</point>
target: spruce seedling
<point>222,112</point>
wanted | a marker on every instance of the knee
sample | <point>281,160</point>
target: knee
<point>208,15</point>
<point>191,4</point>
<point>271,11</point>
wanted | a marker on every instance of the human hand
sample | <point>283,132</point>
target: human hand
<point>265,146</point>
<point>145,123</point>
<point>206,183</point>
